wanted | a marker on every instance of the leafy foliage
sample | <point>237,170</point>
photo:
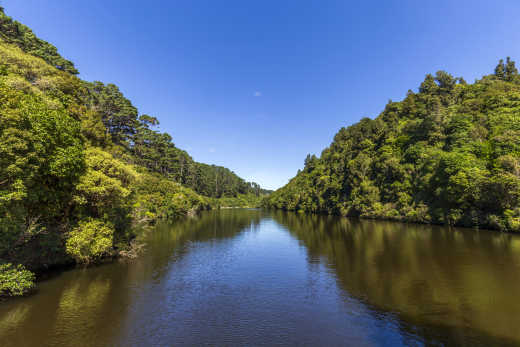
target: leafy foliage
<point>160,198</point>
<point>249,200</point>
<point>105,190</point>
<point>15,280</point>
<point>449,154</point>
<point>91,239</point>
<point>41,156</point>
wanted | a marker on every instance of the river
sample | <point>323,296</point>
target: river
<point>254,277</point>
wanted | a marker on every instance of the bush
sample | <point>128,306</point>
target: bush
<point>512,219</point>
<point>90,240</point>
<point>15,280</point>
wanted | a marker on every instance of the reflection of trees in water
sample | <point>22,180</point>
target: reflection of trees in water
<point>457,283</point>
<point>211,225</point>
<point>68,310</point>
<point>79,302</point>
<point>171,241</point>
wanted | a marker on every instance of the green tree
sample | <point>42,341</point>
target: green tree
<point>41,156</point>
<point>500,70</point>
<point>510,70</point>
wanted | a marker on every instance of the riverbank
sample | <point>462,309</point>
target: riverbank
<point>28,265</point>
<point>394,219</point>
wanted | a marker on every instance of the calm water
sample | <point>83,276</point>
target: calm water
<point>251,277</point>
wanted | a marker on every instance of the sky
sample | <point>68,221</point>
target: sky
<point>257,85</point>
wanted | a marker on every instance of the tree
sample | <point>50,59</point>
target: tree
<point>91,239</point>
<point>500,70</point>
<point>506,71</point>
<point>428,86</point>
<point>510,70</point>
<point>445,80</point>
<point>117,112</point>
<point>42,158</point>
<point>148,121</point>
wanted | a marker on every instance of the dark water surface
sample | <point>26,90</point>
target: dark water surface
<point>251,277</point>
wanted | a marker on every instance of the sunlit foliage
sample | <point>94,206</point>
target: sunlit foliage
<point>15,280</point>
<point>90,240</point>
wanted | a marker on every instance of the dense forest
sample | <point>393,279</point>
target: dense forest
<point>446,154</point>
<point>80,167</point>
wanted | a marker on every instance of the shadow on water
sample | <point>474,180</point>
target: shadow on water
<point>242,277</point>
<point>448,286</point>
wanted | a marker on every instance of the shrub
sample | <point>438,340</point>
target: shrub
<point>90,240</point>
<point>512,219</point>
<point>15,280</point>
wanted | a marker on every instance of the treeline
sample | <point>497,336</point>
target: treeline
<point>447,154</point>
<point>155,150</point>
<point>79,166</point>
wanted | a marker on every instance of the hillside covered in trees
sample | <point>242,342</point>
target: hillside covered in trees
<point>447,154</point>
<point>80,166</point>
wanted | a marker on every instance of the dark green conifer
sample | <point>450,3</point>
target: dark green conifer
<point>428,86</point>
<point>510,70</point>
<point>500,69</point>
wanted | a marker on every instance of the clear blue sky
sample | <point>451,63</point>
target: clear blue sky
<point>256,85</point>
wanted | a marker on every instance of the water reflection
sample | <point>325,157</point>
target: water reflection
<point>256,277</point>
<point>81,306</point>
<point>450,285</point>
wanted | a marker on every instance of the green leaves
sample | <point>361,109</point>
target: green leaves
<point>15,280</point>
<point>90,240</point>
<point>41,159</point>
<point>105,190</point>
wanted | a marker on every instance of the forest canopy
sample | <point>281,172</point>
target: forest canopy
<point>446,154</point>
